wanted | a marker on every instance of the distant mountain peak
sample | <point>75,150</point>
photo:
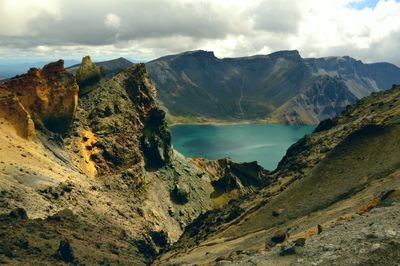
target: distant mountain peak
<point>200,53</point>
<point>289,54</point>
<point>119,59</point>
<point>344,58</point>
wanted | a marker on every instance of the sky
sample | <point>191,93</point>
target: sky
<point>40,30</point>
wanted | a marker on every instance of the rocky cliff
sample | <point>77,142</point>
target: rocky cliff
<point>49,96</point>
<point>324,98</point>
<point>16,114</point>
<point>279,87</point>
<point>361,79</point>
<point>128,129</point>
<point>88,74</point>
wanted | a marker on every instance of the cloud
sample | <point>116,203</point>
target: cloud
<point>147,29</point>
<point>112,21</point>
<point>279,16</point>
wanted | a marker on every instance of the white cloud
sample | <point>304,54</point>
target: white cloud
<point>15,15</point>
<point>112,21</point>
<point>152,28</point>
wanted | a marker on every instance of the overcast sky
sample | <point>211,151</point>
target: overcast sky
<point>147,29</point>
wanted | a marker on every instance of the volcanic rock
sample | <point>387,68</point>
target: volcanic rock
<point>49,96</point>
<point>88,74</point>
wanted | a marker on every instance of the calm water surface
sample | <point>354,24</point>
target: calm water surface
<point>254,142</point>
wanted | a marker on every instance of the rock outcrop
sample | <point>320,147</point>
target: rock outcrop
<point>48,95</point>
<point>88,74</point>
<point>323,99</point>
<point>14,112</point>
<point>228,175</point>
<point>110,67</point>
<point>130,130</point>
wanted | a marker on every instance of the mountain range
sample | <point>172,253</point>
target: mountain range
<point>280,87</point>
<point>88,176</point>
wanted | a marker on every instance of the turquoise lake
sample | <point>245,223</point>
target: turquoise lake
<point>264,143</point>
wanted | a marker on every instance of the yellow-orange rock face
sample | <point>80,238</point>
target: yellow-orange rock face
<point>14,113</point>
<point>49,95</point>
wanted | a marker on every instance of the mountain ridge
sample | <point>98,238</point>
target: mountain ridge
<point>196,85</point>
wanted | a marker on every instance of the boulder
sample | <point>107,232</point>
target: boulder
<point>287,250</point>
<point>180,193</point>
<point>65,252</point>
<point>279,236</point>
<point>18,214</point>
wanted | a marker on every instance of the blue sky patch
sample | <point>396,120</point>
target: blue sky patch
<point>363,4</point>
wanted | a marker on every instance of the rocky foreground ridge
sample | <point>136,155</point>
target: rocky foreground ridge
<point>91,178</point>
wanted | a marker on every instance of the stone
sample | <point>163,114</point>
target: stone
<point>160,238</point>
<point>18,214</point>
<point>276,213</point>
<point>132,139</point>
<point>319,229</point>
<point>279,236</point>
<point>105,262</point>
<point>300,242</point>
<point>180,194</point>
<point>65,251</point>
<point>287,250</point>
<point>390,233</point>
<point>64,214</point>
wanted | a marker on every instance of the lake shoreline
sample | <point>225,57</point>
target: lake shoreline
<point>234,122</point>
<point>227,123</point>
<point>243,142</point>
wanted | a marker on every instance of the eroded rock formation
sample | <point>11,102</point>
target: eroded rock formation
<point>88,74</point>
<point>14,112</point>
<point>49,96</point>
<point>130,130</point>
